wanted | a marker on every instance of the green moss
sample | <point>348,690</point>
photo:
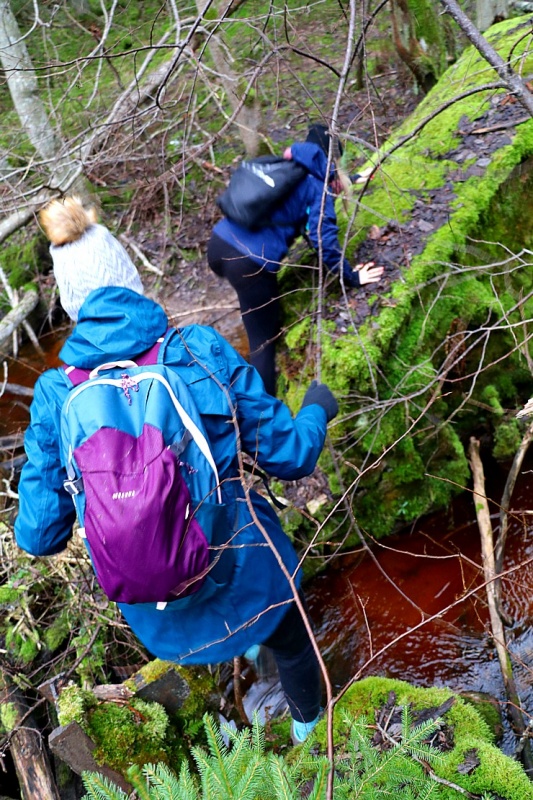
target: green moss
<point>507,438</point>
<point>497,773</point>
<point>487,709</point>
<point>149,672</point>
<point>128,734</point>
<point>186,722</point>
<point>74,705</point>
<point>58,631</point>
<point>125,733</point>
<point>9,716</point>
<point>9,594</point>
<point>491,396</point>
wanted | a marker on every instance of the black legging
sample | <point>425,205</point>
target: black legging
<point>257,291</point>
<point>298,667</point>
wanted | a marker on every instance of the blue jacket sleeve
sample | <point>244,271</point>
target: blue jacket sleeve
<point>46,512</point>
<point>324,233</point>
<point>286,447</point>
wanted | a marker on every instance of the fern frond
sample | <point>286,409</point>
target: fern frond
<point>215,740</point>
<point>139,782</point>
<point>167,785</point>
<point>413,739</point>
<point>282,783</point>
<point>258,735</point>
<point>321,780</point>
<point>100,788</point>
<point>213,768</point>
<point>254,782</point>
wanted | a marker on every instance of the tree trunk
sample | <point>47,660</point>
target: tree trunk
<point>419,39</point>
<point>247,110</point>
<point>496,624</point>
<point>24,90</point>
<point>25,741</point>
<point>490,11</point>
<point>503,69</point>
<point>14,318</point>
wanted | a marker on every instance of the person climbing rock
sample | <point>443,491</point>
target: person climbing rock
<point>250,259</point>
<point>249,593</point>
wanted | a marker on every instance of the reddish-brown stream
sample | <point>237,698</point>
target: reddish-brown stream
<point>425,581</point>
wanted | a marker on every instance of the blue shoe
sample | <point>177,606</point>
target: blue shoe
<point>252,654</point>
<point>301,730</point>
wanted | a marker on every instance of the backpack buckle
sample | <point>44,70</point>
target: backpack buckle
<point>73,486</point>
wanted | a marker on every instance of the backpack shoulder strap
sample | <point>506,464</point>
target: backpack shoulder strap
<point>75,375</point>
<point>156,353</point>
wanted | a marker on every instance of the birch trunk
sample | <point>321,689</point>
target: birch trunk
<point>489,11</point>
<point>14,318</point>
<point>24,89</point>
<point>503,69</point>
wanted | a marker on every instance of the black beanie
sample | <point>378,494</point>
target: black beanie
<point>319,134</point>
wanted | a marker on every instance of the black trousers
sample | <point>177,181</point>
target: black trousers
<point>297,664</point>
<point>257,291</point>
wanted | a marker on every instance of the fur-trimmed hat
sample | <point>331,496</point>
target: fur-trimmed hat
<point>86,255</point>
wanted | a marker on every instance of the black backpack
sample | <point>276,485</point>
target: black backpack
<point>257,187</point>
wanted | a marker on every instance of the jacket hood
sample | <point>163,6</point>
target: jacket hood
<point>113,323</point>
<point>312,157</point>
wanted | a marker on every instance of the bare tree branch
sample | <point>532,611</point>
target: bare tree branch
<point>515,84</point>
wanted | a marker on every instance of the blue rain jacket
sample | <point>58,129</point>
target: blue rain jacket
<point>220,620</point>
<point>300,211</point>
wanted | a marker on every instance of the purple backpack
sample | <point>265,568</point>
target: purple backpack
<point>143,478</point>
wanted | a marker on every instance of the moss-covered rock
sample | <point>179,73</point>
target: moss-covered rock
<point>495,775</point>
<point>124,732</point>
<point>133,730</point>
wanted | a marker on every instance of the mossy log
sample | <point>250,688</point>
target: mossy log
<point>26,745</point>
<point>440,347</point>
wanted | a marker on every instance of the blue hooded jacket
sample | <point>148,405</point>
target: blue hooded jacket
<point>268,246</point>
<point>219,621</point>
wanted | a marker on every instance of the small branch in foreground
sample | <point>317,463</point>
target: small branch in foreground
<point>489,570</point>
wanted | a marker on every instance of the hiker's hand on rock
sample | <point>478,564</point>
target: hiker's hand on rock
<point>368,273</point>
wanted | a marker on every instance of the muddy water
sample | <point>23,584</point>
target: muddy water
<point>411,610</point>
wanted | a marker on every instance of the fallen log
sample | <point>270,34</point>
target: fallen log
<point>16,316</point>
<point>26,745</point>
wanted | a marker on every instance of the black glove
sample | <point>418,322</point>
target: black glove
<point>319,394</point>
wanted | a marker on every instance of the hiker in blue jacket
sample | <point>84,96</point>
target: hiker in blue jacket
<point>249,260</point>
<point>250,598</point>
